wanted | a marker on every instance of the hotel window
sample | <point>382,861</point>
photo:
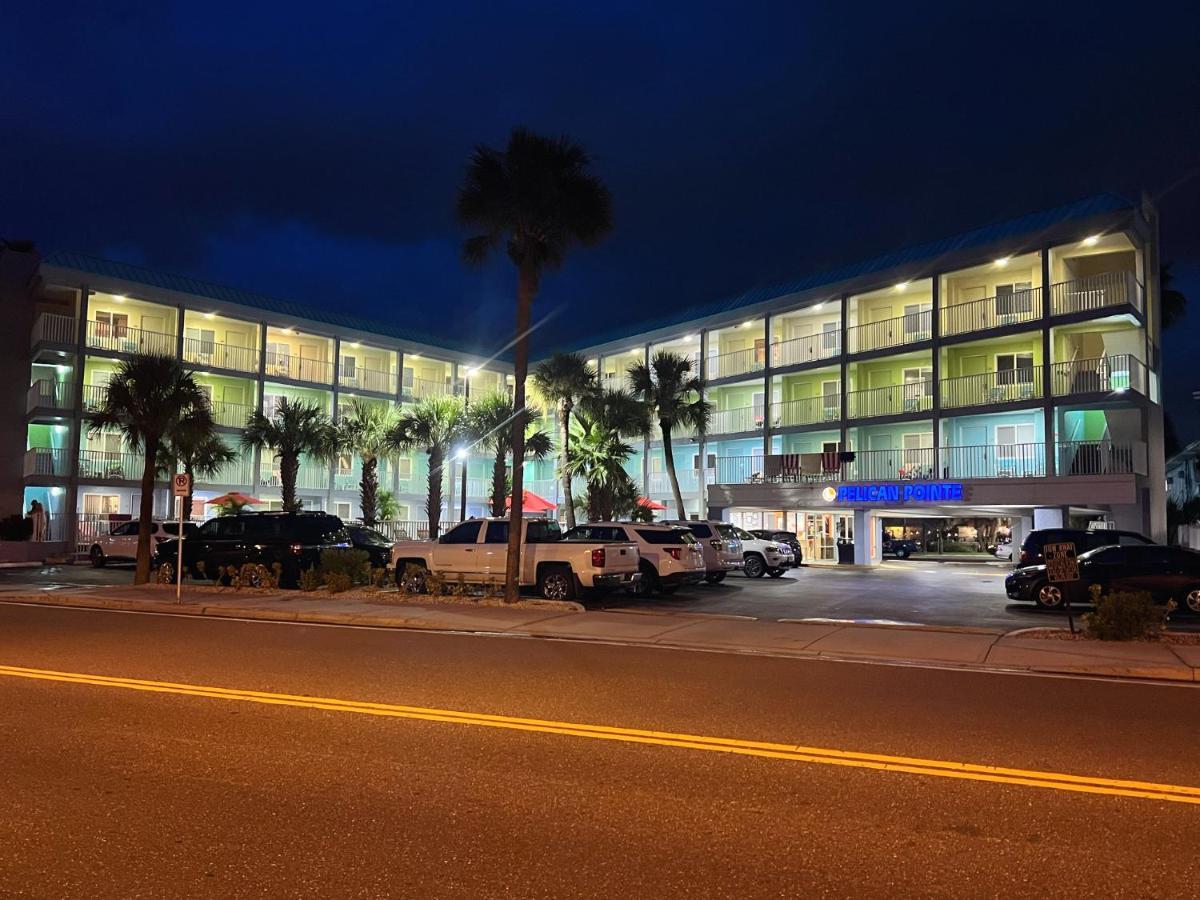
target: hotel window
<point>341,510</point>
<point>101,504</point>
<point>201,341</point>
<point>913,444</point>
<point>277,353</point>
<point>831,392</point>
<point>831,336</point>
<point>348,365</point>
<point>271,404</point>
<point>1010,438</point>
<point>404,466</point>
<point>916,322</point>
<point>760,351</point>
<point>110,324</point>
<point>345,464</point>
<point>1014,368</point>
<point>1014,299</point>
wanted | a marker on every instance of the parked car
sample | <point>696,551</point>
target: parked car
<point>1002,550</point>
<point>377,546</point>
<point>1031,547</point>
<point>477,551</point>
<point>294,540</point>
<point>763,557</point>
<point>1168,573</point>
<point>721,547</point>
<point>782,537</point>
<point>669,557</point>
<point>901,548</point>
<point>120,544</point>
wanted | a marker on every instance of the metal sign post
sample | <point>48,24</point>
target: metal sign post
<point>181,486</point>
<point>1062,567</point>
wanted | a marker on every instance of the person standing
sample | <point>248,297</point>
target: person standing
<point>40,521</point>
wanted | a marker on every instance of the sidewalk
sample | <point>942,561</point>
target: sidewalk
<point>962,648</point>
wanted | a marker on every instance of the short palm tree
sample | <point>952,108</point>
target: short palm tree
<point>194,447</point>
<point>488,421</point>
<point>148,397</point>
<point>535,199</point>
<point>565,379</point>
<point>365,432</point>
<point>599,451</point>
<point>674,396</point>
<point>295,428</point>
<point>435,425</point>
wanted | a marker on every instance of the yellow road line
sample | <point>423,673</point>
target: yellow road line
<point>933,767</point>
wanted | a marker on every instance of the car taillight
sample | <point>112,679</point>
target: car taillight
<point>676,552</point>
<point>598,557</point>
<point>1024,557</point>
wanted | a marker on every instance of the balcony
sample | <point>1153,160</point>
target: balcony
<point>111,465</point>
<point>237,473</point>
<point>47,462</point>
<point>230,415</point>
<point>298,368</point>
<point>94,396</point>
<point>894,400</point>
<point>220,356</point>
<point>51,328</point>
<point>361,379</point>
<point>1102,375</point>
<point>807,349</point>
<point>733,421</point>
<point>992,312</point>
<point>991,388</point>
<point>1094,458</point>
<point>421,388</point>
<point>1102,291</point>
<point>908,329</point>
<point>123,339</point>
<point>809,411</point>
<point>739,362</point>
<point>996,461</point>
<point>47,394</point>
<point>659,483</point>
<point>312,476</point>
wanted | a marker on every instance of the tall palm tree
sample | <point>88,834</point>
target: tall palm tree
<point>1172,302</point>
<point>674,396</point>
<point>599,451</point>
<point>536,199</point>
<point>365,432</point>
<point>148,397</point>
<point>295,428</point>
<point>488,421</point>
<point>196,448</point>
<point>434,425</point>
<point>565,379</point>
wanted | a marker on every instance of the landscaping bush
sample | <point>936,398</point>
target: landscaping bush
<point>1126,615</point>
<point>16,528</point>
<point>338,582</point>
<point>354,564</point>
<point>310,580</point>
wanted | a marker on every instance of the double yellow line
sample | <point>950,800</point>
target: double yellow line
<point>794,753</point>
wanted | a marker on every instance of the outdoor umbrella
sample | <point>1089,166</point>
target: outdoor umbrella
<point>647,503</point>
<point>533,503</point>
<point>237,498</point>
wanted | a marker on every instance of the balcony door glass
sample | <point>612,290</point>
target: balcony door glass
<point>1014,299</point>
<point>1014,368</point>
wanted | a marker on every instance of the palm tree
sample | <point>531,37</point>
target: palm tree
<point>674,396</point>
<point>196,448</point>
<point>599,451</point>
<point>537,199</point>
<point>564,379</point>
<point>434,425</point>
<point>365,432</point>
<point>1172,301</point>
<point>148,397</point>
<point>488,422</point>
<point>295,428</point>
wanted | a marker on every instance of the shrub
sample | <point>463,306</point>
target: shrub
<point>16,528</point>
<point>435,583</point>
<point>1126,615</point>
<point>354,564</point>
<point>379,577</point>
<point>310,580</point>
<point>338,582</point>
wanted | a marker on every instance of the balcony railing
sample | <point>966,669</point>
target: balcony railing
<point>94,396</point>
<point>231,415</point>
<point>51,328</point>
<point>427,387</point>
<point>47,394</point>
<point>123,339</point>
<point>809,410</point>
<point>739,362</point>
<point>110,465</point>
<point>894,400</point>
<point>908,329</point>
<point>659,483</point>
<point>361,379</point>
<point>1096,292</point>
<point>734,421</point>
<point>298,368</point>
<point>810,348</point>
<point>994,461</point>
<point>312,476</point>
<point>220,356</point>
<point>47,461</point>
<point>992,312</point>
<point>238,473</point>
<point>987,388</point>
<point>1103,374</point>
<point>1093,458</point>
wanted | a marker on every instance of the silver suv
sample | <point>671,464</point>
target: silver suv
<point>720,544</point>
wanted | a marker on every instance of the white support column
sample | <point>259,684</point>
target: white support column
<point>868,542</point>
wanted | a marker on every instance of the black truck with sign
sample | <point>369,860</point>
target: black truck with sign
<point>901,548</point>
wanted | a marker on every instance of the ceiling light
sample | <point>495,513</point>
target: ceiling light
<point>414,356</point>
<point>1002,262</point>
<point>689,337</point>
<point>817,308</point>
<point>120,298</point>
<point>209,315</point>
<point>902,286</point>
<point>285,331</point>
<point>354,344</point>
<point>1091,240</point>
<point>461,453</point>
<point>747,324</point>
<point>473,370</point>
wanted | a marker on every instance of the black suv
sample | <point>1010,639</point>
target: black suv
<point>1031,549</point>
<point>377,547</point>
<point>1167,573</point>
<point>781,537</point>
<point>294,540</point>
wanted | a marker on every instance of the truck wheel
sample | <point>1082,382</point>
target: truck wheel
<point>411,580</point>
<point>775,573</point>
<point>1048,596</point>
<point>648,583</point>
<point>755,566</point>
<point>97,557</point>
<point>557,583</point>
<point>714,577</point>
<point>902,553</point>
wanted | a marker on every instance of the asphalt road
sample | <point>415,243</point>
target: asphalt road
<point>111,791</point>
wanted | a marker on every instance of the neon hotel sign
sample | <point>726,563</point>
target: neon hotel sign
<point>920,492</point>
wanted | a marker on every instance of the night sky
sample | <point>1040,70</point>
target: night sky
<point>312,151</point>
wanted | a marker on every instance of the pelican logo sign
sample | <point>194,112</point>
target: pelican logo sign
<point>917,492</point>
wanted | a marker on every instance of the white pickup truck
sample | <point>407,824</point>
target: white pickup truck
<point>477,551</point>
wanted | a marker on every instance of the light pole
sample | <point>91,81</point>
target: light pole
<point>461,456</point>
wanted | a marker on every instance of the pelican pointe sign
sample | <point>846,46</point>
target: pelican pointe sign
<point>915,492</point>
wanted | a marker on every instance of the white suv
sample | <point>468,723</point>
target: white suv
<point>120,544</point>
<point>764,557</point>
<point>722,548</point>
<point>670,557</point>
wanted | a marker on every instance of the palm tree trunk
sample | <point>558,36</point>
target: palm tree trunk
<point>499,479</point>
<point>433,498</point>
<point>527,285</point>
<point>289,468</point>
<point>563,455</point>
<point>669,458</point>
<point>368,489</point>
<point>146,514</point>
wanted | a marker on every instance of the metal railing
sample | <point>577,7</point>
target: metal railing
<point>986,388</point>
<point>1093,458</point>
<point>810,348</point>
<point>660,482</point>
<point>907,329</point>
<point>738,362</point>
<point>220,356</point>
<point>51,328</point>
<point>111,465</point>
<point>1100,375</point>
<point>912,397</point>
<point>123,339</point>
<point>1095,292</point>
<point>238,473</point>
<point>809,410</point>
<point>994,461</point>
<point>52,461</point>
<point>47,394</point>
<point>368,380</point>
<point>312,476</point>
<point>734,421</point>
<point>992,312</point>
<point>298,368</point>
<point>427,387</point>
<point>94,396</point>
<point>231,415</point>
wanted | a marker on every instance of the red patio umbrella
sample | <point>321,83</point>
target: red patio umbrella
<point>533,503</point>
<point>235,497</point>
<point>647,503</point>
